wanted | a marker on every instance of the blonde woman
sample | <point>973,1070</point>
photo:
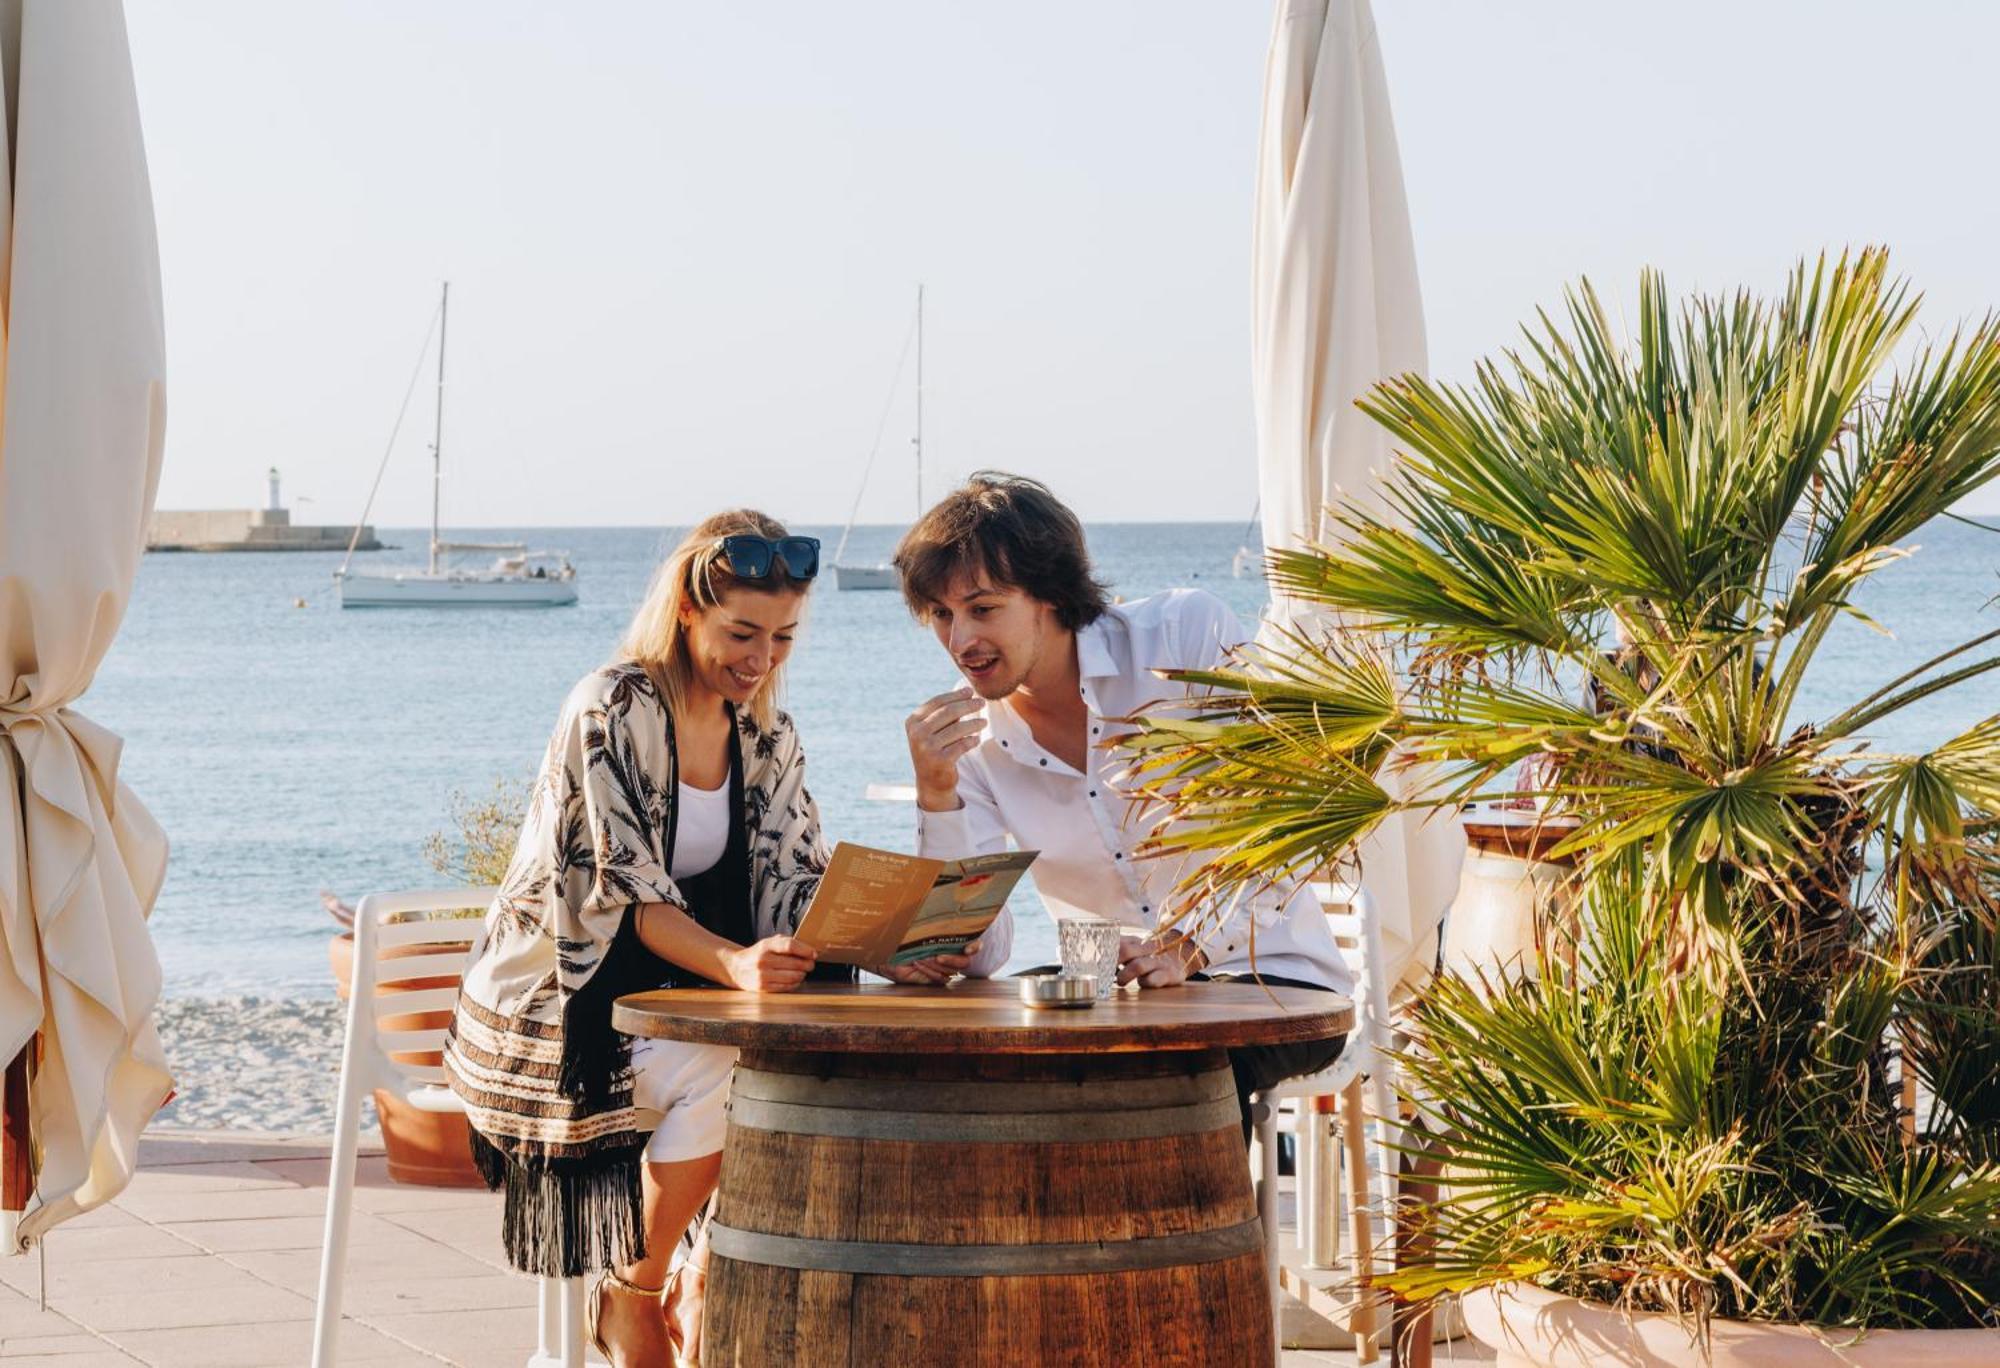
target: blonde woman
<point>670,840</point>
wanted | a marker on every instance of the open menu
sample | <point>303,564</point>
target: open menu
<point>879,907</point>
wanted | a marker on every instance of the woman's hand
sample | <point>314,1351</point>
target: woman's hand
<point>775,964</point>
<point>935,969</point>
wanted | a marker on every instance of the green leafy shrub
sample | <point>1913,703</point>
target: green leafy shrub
<point>1610,567</point>
<point>480,843</point>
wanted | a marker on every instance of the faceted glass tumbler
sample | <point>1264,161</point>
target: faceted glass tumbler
<point>1089,945</point>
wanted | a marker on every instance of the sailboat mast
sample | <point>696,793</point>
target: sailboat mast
<point>920,403</point>
<point>437,435</point>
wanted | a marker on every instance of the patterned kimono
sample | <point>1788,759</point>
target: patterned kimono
<point>546,1082</point>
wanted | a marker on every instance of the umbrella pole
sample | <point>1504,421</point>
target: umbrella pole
<point>17,1155</point>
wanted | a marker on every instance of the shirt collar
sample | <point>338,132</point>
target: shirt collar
<point>1094,657</point>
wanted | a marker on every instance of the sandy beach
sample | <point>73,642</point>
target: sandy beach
<point>252,1064</point>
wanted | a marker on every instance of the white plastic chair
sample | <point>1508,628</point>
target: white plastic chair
<point>390,921</point>
<point>1360,1080</point>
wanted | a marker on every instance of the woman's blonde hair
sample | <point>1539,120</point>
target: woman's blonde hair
<point>697,573</point>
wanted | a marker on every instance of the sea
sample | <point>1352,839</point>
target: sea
<point>290,747</point>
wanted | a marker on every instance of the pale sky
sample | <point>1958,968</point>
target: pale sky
<point>684,239</point>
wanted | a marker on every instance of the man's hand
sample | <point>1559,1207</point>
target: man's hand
<point>776,964</point>
<point>1152,965</point>
<point>940,731</point>
<point>934,969</point>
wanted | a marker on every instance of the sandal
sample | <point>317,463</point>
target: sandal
<point>667,1298</point>
<point>593,1306</point>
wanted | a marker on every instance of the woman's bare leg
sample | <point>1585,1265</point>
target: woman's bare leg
<point>684,1307</point>
<point>633,1327</point>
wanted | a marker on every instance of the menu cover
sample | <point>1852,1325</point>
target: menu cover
<point>877,907</point>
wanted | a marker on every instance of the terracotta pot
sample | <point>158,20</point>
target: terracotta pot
<point>429,1149</point>
<point>1532,1328</point>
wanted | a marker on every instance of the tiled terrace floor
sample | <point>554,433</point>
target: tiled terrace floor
<point>211,1258</point>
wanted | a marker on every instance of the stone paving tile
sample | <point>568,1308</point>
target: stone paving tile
<point>21,1317</point>
<point>50,1346</point>
<point>203,1177</point>
<point>138,1241</point>
<point>167,1206</point>
<point>376,1191</point>
<point>402,1199</point>
<point>285,1345</point>
<point>377,1302</point>
<point>240,1299</point>
<point>472,1231</point>
<point>100,1357</point>
<point>67,1279</point>
<point>100,1218</point>
<point>282,1232</point>
<point>466,1335</point>
<point>298,1269</point>
<point>158,1147</point>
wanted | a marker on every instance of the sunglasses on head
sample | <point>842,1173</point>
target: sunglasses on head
<point>751,557</point>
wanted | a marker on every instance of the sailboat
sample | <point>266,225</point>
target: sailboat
<point>517,577</point>
<point>883,576</point>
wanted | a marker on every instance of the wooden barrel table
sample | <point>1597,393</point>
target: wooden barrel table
<point>943,1176</point>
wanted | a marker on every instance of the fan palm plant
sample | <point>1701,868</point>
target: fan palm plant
<point>1604,575</point>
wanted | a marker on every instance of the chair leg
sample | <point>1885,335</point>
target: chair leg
<point>1354,1140</point>
<point>1322,1158</point>
<point>1266,1120</point>
<point>572,1323</point>
<point>340,1192</point>
<point>1305,1197</point>
<point>548,1323</point>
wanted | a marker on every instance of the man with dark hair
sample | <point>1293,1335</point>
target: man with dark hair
<point>1000,573</point>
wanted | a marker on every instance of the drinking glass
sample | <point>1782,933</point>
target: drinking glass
<point>1089,945</point>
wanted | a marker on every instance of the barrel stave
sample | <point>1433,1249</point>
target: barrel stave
<point>1023,1205</point>
<point>1205,1314</point>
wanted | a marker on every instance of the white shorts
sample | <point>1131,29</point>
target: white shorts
<point>689,1086</point>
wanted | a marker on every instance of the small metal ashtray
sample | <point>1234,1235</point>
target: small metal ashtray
<point>1042,991</point>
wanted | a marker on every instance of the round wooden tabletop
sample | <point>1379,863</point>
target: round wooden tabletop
<point>1525,834</point>
<point>983,1016</point>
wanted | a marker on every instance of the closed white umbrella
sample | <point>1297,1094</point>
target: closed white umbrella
<point>1336,304</point>
<point>82,413</point>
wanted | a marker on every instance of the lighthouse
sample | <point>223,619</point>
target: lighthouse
<point>276,505</point>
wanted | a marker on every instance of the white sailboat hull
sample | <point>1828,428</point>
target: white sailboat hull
<point>519,578</point>
<point>866,577</point>
<point>421,589</point>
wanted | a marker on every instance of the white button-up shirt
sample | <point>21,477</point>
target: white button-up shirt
<point>1087,827</point>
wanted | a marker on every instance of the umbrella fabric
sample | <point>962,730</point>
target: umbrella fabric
<point>1336,308</point>
<point>82,411</point>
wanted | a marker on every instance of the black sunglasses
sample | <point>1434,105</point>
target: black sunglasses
<point>752,557</point>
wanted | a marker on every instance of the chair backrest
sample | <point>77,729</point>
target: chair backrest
<point>410,951</point>
<point>1358,931</point>
<point>1350,913</point>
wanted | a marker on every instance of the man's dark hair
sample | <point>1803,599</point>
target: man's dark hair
<point>1016,534</point>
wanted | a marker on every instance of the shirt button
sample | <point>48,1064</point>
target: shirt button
<point>1117,854</point>
<point>1093,793</point>
<point>1043,763</point>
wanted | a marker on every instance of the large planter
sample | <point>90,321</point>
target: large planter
<point>1510,891</point>
<point>1532,1328</point>
<point>430,1149</point>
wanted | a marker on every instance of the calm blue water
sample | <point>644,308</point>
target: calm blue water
<point>286,749</point>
